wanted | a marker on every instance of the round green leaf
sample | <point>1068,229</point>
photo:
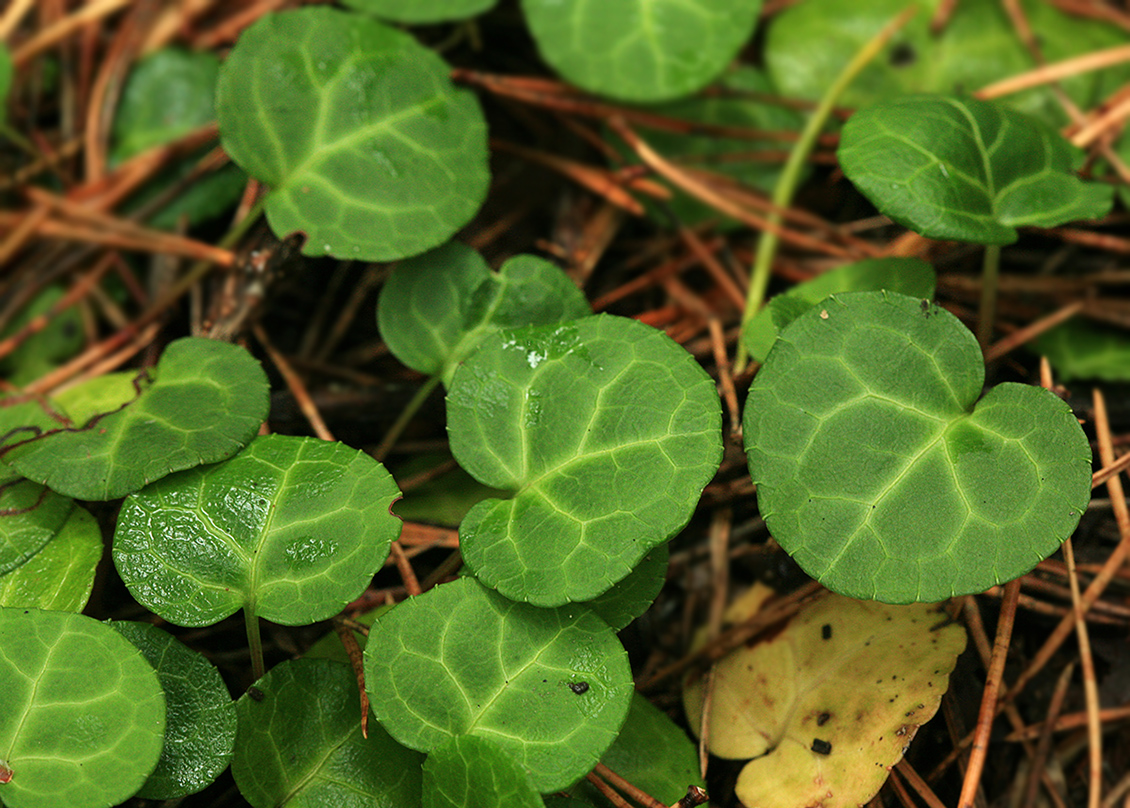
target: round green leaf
<point>474,772</point>
<point>908,276</point>
<point>30,516</point>
<point>549,686</point>
<point>883,475</point>
<point>205,402</point>
<point>301,744</point>
<point>83,715</point>
<point>291,529</point>
<point>367,146</point>
<point>607,430</point>
<point>420,12</point>
<point>959,168</point>
<point>59,577</point>
<point>200,727</point>
<point>641,50</point>
<point>629,598</point>
<point>435,309</point>
<point>1083,350</point>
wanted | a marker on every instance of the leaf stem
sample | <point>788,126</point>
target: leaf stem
<point>254,643</point>
<point>990,270</point>
<point>405,416</point>
<point>790,175</point>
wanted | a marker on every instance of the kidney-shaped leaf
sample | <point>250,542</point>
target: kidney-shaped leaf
<point>607,429</point>
<point>474,772</point>
<point>422,11</point>
<point>291,529</point>
<point>299,742</point>
<point>549,686</point>
<point>59,577</point>
<point>641,50</point>
<point>883,475</point>
<point>908,276</point>
<point>83,715</point>
<point>205,402</point>
<point>200,726</point>
<point>435,309</point>
<point>367,146</point>
<point>959,168</point>
<point>834,699</point>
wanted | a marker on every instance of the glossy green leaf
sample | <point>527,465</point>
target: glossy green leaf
<point>205,401</point>
<point>419,12</point>
<point>469,771</point>
<point>607,430</point>
<point>730,106</point>
<point>5,81</point>
<point>883,475</point>
<point>59,577</point>
<point>641,50</point>
<point>291,529</point>
<point>977,46</point>
<point>1082,350</point>
<point>30,516</point>
<point>552,691</point>
<point>908,276</point>
<point>651,753</point>
<point>959,168</point>
<point>367,146</point>
<point>168,93</point>
<point>22,416</point>
<point>630,597</point>
<point>301,744</point>
<point>42,351</point>
<point>200,715</point>
<point>83,713</point>
<point>435,309</point>
<point>101,394</point>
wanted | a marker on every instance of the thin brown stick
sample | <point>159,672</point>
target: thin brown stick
<point>296,386</point>
<point>725,376</point>
<point>636,793</point>
<point>49,36</point>
<point>1043,747</point>
<point>1090,688</point>
<point>357,662</point>
<point>1030,332</point>
<point>1070,721</point>
<point>915,781</point>
<point>404,567</point>
<point>607,791</point>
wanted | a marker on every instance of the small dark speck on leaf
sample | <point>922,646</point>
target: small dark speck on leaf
<point>580,688</point>
<point>255,694</point>
<point>821,747</point>
<point>826,631</point>
<point>822,719</point>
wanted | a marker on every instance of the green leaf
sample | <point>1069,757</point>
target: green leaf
<point>420,12</point>
<point>1082,350</point>
<point>444,498</point>
<point>959,168</point>
<point>30,516</point>
<point>435,309</point>
<point>607,430</point>
<point>200,730</point>
<point>41,352</point>
<point>367,146</point>
<point>629,598</point>
<point>22,416</point>
<point>291,529</point>
<point>83,715</point>
<point>651,753</point>
<point>206,401</point>
<point>330,647</point>
<point>102,394</point>
<point>59,577</point>
<point>301,744</point>
<point>168,94</point>
<point>641,50</point>
<point>883,475</point>
<point>552,689</point>
<point>474,772</point>
<point>977,46</point>
<point>908,276</point>
<point>5,81</point>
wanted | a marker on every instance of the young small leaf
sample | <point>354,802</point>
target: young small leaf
<point>641,50</point>
<point>435,309</point>
<point>607,430</point>
<point>549,686</point>
<point>301,744</point>
<point>59,577</point>
<point>422,12</point>
<point>959,168</point>
<point>84,715</point>
<point>207,400</point>
<point>908,276</point>
<point>200,731</point>
<point>474,772</point>
<point>291,528</point>
<point>883,475</point>
<point>30,516</point>
<point>367,146</point>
